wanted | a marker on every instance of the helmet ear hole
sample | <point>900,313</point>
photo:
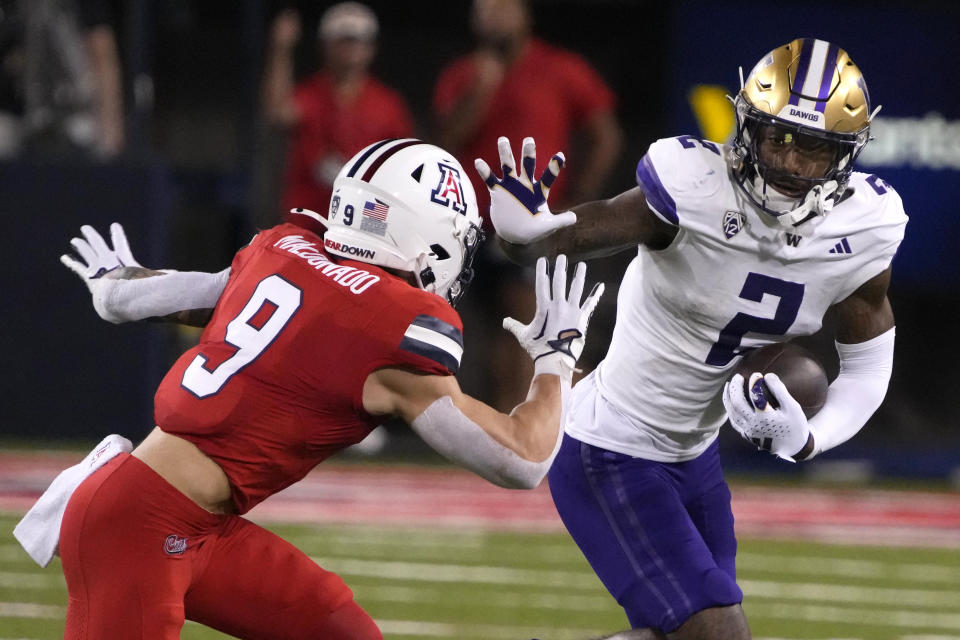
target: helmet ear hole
<point>439,251</point>
<point>427,277</point>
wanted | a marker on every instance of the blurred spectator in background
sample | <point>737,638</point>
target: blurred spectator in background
<point>335,112</point>
<point>514,84</point>
<point>61,79</point>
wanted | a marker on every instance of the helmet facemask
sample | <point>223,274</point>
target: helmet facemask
<point>798,197</point>
<point>472,239</point>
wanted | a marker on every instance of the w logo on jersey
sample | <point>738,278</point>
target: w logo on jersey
<point>733,222</point>
<point>449,191</point>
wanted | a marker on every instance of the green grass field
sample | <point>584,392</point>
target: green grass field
<point>472,585</point>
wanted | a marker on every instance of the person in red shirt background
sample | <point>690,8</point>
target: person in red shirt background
<point>336,111</point>
<point>516,85</point>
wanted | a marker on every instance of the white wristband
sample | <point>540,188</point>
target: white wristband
<point>556,363</point>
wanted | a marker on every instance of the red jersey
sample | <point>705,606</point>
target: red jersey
<point>329,133</point>
<point>546,93</point>
<point>275,385</point>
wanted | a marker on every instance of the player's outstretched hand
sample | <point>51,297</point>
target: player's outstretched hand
<point>775,424</point>
<point>555,336</point>
<point>518,203</point>
<point>97,258</point>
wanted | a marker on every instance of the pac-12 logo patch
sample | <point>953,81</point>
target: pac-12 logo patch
<point>449,191</point>
<point>733,222</point>
<point>174,545</point>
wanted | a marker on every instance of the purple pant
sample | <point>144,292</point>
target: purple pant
<point>659,535</point>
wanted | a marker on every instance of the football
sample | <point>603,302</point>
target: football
<point>798,368</point>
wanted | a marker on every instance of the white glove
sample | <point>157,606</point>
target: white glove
<point>775,424</point>
<point>98,260</point>
<point>555,336</point>
<point>518,206</point>
<point>99,257</point>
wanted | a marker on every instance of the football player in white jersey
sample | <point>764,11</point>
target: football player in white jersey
<point>738,246</point>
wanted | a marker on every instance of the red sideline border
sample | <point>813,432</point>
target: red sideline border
<point>418,497</point>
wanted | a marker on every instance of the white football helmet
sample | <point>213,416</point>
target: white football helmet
<point>407,205</point>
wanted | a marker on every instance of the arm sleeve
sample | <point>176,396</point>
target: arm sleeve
<point>119,300</point>
<point>857,392</point>
<point>459,439</point>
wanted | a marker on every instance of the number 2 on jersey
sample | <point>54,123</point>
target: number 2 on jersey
<point>249,333</point>
<point>756,285</point>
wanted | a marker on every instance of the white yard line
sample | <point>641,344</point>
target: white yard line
<point>875,596</point>
<point>501,599</point>
<point>32,581</point>
<point>435,572</point>
<point>880,597</point>
<point>884,617</point>
<point>847,568</point>
<point>31,610</point>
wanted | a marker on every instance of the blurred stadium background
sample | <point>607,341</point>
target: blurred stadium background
<point>201,172</point>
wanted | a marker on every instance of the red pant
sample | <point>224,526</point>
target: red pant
<point>139,557</point>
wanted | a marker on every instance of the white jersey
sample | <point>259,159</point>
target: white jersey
<point>732,279</point>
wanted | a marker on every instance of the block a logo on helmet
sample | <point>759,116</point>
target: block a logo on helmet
<point>449,192</point>
<point>404,205</point>
<point>810,94</point>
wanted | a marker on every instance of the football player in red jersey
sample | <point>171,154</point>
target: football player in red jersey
<point>312,341</point>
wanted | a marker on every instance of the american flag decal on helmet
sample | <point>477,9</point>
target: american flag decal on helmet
<point>376,209</point>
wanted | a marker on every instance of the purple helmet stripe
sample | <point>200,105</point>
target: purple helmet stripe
<point>827,80</point>
<point>657,195</point>
<point>806,51</point>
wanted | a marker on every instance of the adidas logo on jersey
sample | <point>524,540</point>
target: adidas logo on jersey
<point>841,247</point>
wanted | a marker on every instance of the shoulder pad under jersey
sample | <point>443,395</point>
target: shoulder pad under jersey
<point>431,338</point>
<point>680,169</point>
<point>868,227</point>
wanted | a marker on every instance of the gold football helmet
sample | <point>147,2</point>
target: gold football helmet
<point>808,93</point>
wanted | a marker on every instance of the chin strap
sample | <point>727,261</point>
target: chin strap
<point>817,202</point>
